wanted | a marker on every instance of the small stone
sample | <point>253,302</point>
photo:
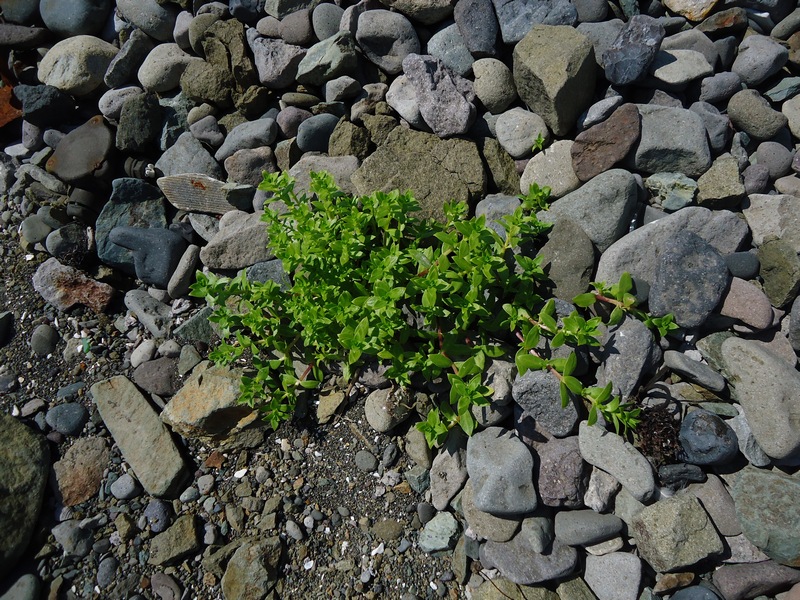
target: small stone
<point>366,461</point>
<point>706,439</point>
<point>68,418</point>
<point>440,533</point>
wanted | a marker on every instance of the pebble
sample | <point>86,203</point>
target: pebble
<point>44,340</point>
<point>67,419</point>
<point>125,487</point>
<point>706,439</point>
<point>615,576</point>
<point>366,461</point>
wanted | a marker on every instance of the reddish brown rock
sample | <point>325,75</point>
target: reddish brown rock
<point>80,473</point>
<point>602,146</point>
<point>64,287</point>
<point>725,22</point>
<point>8,110</point>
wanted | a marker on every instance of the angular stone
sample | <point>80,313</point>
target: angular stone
<point>563,475</point>
<point>64,287</point>
<point>672,139</point>
<point>252,571</point>
<point>133,203</point>
<point>79,473</point>
<point>440,533</point>
<point>207,407</point>
<point>615,576</point>
<point>242,241</point>
<point>780,271</point>
<point>554,70</point>
<point>195,192</point>
<point>448,473</point>
<point>188,155</point>
<point>568,259</point>
<point>693,10</point>
<point>671,191</point>
<point>444,98</point>
<point>717,500</point>
<point>773,215</point>
<point>602,146</point>
<point>676,68</point>
<point>537,393</point>
<point>675,533</point>
<point>142,438</point>
<point>517,17</point>
<point>500,467</point>
<point>156,252</point>
<point>502,589</point>
<point>328,59</point>
<point>478,25</point>
<point>721,186</point>
<point>633,50</point>
<point>180,541</point>
<point>139,124</point>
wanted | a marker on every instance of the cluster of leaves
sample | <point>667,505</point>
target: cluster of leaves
<point>371,281</point>
<point>623,302</point>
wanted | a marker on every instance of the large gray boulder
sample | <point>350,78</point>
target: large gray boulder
<point>24,466</point>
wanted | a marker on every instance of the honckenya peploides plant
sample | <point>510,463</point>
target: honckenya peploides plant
<point>371,281</point>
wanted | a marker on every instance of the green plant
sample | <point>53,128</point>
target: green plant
<point>537,198</point>
<point>538,144</point>
<point>371,281</point>
<point>619,297</point>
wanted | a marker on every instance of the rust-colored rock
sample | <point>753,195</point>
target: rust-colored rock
<point>602,146</point>
<point>64,287</point>
<point>80,473</point>
<point>83,152</point>
<point>729,21</point>
<point>8,112</point>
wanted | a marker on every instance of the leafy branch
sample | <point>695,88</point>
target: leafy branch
<point>371,281</point>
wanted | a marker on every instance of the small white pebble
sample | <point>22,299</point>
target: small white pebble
<point>240,473</point>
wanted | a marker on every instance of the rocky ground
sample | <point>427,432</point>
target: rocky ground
<point>134,134</point>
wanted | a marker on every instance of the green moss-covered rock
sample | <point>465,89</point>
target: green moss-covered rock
<point>435,170</point>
